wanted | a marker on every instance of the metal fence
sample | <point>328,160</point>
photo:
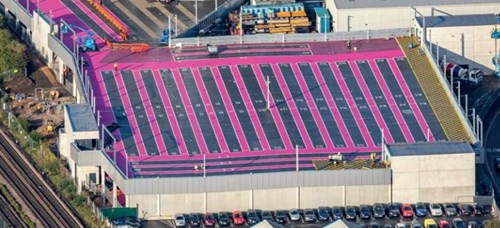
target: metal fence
<point>291,38</point>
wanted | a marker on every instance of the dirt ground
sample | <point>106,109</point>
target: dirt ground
<point>39,97</point>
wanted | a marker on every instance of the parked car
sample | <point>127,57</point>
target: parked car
<point>280,216</point>
<point>238,218</point>
<point>472,224</point>
<point>394,210</point>
<point>420,210</point>
<point>486,209</point>
<point>400,225</point>
<point>252,218</point>
<point>444,224</point>
<point>365,212</point>
<point>407,211</point>
<point>194,220</point>
<point>479,210</point>
<point>465,209</point>
<point>389,226</point>
<point>416,224</point>
<point>294,215</point>
<point>309,215</point>
<point>430,223</point>
<point>337,213</point>
<point>458,223</point>
<point>350,213</point>
<point>267,215</point>
<point>180,220</point>
<point>323,214</point>
<point>450,209</point>
<point>209,220</point>
<point>374,225</point>
<point>379,210</point>
<point>224,219</point>
<point>436,209</point>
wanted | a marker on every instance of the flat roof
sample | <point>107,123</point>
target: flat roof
<point>429,148</point>
<point>81,117</point>
<point>458,20</point>
<point>359,4</point>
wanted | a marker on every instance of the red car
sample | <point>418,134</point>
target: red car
<point>238,218</point>
<point>444,224</point>
<point>407,211</point>
<point>209,220</point>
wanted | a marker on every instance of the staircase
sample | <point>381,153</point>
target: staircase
<point>434,90</point>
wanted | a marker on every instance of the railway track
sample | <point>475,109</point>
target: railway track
<point>9,214</point>
<point>29,185</point>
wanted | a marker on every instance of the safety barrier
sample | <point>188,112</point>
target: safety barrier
<point>111,18</point>
<point>440,100</point>
<point>133,47</point>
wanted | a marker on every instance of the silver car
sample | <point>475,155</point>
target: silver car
<point>294,215</point>
<point>436,209</point>
<point>309,215</point>
<point>180,220</point>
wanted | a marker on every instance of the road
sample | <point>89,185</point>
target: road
<point>22,178</point>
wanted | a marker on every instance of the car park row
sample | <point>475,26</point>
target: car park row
<point>407,212</point>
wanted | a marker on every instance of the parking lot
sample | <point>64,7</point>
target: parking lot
<point>372,222</point>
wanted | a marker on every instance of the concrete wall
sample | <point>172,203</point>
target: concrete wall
<point>433,178</point>
<point>263,199</point>
<point>397,17</point>
<point>465,42</point>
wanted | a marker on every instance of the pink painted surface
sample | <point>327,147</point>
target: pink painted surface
<point>97,19</point>
<point>212,116</point>
<point>272,108</point>
<point>333,107</point>
<point>292,107</point>
<point>312,106</point>
<point>230,109</point>
<point>391,102</point>
<point>129,111</point>
<point>200,172</point>
<point>371,102</point>
<point>155,128</point>
<point>190,112</point>
<point>352,105</point>
<point>204,52</point>
<point>170,114</point>
<point>411,100</point>
<point>250,109</point>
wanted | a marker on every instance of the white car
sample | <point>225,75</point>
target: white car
<point>180,220</point>
<point>436,209</point>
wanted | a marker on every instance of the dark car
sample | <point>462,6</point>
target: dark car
<point>194,220</point>
<point>378,210</point>
<point>350,213</point>
<point>323,214</point>
<point>209,220</point>
<point>486,209</point>
<point>224,219</point>
<point>458,223</point>
<point>252,218</point>
<point>472,224</point>
<point>420,210</point>
<point>280,217</point>
<point>497,164</point>
<point>478,210</point>
<point>394,210</point>
<point>337,213</point>
<point>374,225</point>
<point>365,212</point>
<point>267,215</point>
<point>465,209</point>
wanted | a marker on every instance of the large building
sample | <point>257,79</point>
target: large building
<point>360,15</point>
<point>179,130</point>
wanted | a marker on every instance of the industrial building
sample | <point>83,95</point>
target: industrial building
<point>359,15</point>
<point>464,39</point>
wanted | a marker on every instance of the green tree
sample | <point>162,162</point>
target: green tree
<point>13,52</point>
